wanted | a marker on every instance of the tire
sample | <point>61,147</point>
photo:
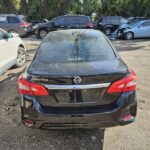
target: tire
<point>108,31</point>
<point>21,57</point>
<point>129,36</point>
<point>42,33</point>
<point>118,34</point>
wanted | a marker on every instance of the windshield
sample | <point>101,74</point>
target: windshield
<point>135,24</point>
<point>76,46</point>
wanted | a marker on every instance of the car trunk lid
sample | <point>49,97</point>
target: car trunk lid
<point>94,77</point>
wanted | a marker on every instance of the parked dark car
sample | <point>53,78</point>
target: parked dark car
<point>109,24</point>
<point>14,23</point>
<point>34,24</point>
<point>63,22</point>
<point>77,80</point>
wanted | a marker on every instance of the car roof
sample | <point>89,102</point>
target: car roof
<point>75,15</point>
<point>72,16</point>
<point>2,30</point>
<point>142,21</point>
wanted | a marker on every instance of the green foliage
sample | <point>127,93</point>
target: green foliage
<point>16,4</point>
<point>40,9</point>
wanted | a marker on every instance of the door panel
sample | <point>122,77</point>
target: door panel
<point>143,30</point>
<point>8,51</point>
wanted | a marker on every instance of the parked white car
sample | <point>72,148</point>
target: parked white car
<point>12,51</point>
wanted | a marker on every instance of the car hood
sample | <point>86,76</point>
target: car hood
<point>15,34</point>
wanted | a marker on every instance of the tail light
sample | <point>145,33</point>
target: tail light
<point>29,88</point>
<point>90,25</point>
<point>124,85</point>
<point>24,24</point>
<point>128,118</point>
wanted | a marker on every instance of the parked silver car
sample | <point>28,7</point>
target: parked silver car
<point>137,30</point>
<point>12,51</point>
<point>14,23</point>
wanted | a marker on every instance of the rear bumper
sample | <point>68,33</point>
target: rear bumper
<point>33,114</point>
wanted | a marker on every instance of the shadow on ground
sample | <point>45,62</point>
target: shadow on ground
<point>54,140</point>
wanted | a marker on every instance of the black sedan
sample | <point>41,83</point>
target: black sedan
<point>77,80</point>
<point>63,22</point>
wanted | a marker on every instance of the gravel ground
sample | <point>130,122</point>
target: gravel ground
<point>14,136</point>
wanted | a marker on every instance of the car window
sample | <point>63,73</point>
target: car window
<point>1,35</point>
<point>107,20</point>
<point>3,20</point>
<point>115,21</point>
<point>59,21</point>
<point>77,20</point>
<point>13,20</point>
<point>146,24</point>
<point>69,47</point>
<point>112,20</point>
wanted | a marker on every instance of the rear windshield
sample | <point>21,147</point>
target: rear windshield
<point>80,46</point>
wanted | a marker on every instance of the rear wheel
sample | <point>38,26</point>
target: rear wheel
<point>108,31</point>
<point>21,57</point>
<point>129,36</point>
<point>42,33</point>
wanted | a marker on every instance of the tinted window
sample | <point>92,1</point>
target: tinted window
<point>146,24</point>
<point>59,21</point>
<point>13,20</point>
<point>115,21</point>
<point>75,46</point>
<point>76,20</point>
<point>2,19</point>
<point>108,20</point>
<point>112,20</point>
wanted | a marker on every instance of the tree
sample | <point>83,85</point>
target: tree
<point>40,9</point>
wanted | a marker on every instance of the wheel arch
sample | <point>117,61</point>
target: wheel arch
<point>21,45</point>
<point>43,28</point>
<point>108,26</point>
<point>130,32</point>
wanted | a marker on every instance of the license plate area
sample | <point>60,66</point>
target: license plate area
<point>82,96</point>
